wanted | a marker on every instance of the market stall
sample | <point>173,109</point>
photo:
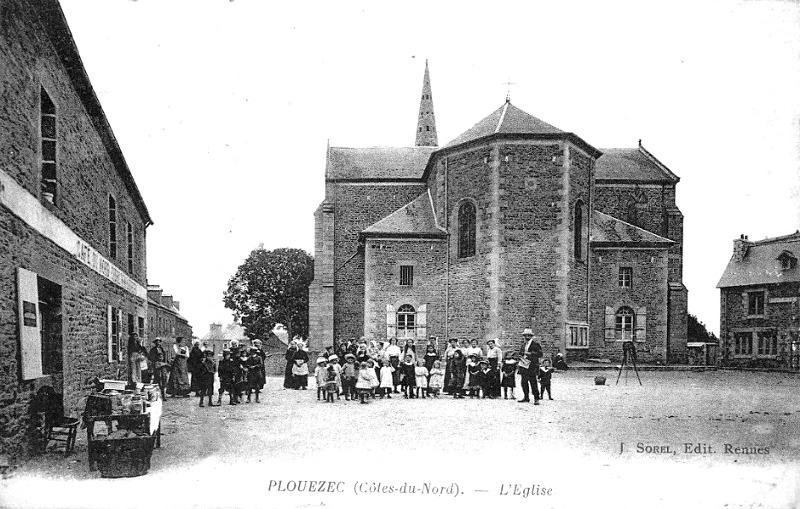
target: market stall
<point>123,424</point>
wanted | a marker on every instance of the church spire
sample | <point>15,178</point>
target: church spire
<point>426,125</point>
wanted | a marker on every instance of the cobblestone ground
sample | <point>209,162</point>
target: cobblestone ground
<point>253,455</point>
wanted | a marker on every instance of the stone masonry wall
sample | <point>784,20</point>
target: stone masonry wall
<point>357,206</point>
<point>648,289</point>
<point>85,173</point>
<point>468,179</point>
<point>85,296</point>
<point>85,177</point>
<point>580,179</point>
<point>533,190</point>
<point>781,314</point>
<point>383,260</point>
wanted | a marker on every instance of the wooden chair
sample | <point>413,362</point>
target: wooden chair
<point>52,423</point>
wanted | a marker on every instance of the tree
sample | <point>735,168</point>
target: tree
<point>697,331</point>
<point>271,287</point>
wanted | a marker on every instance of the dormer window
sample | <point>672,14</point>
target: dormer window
<point>788,260</point>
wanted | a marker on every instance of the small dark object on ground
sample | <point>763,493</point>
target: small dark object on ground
<point>599,380</point>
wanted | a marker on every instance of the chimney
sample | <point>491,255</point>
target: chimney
<point>740,247</point>
<point>154,293</point>
<point>177,304</point>
<point>166,301</point>
<point>215,330</point>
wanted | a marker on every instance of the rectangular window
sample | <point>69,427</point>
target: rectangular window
<point>767,343</point>
<point>130,248</point>
<point>141,328</point>
<point>578,336</point>
<point>755,303</point>
<point>48,144</point>
<point>743,343</point>
<point>114,350</point>
<point>112,227</point>
<point>406,275</point>
<point>624,326</point>
<point>625,277</point>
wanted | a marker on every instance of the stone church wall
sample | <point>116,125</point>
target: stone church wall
<point>468,178</point>
<point>382,286</point>
<point>357,206</point>
<point>648,290</point>
<point>532,190</point>
<point>581,175</point>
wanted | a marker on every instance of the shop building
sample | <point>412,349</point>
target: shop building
<point>164,319</point>
<point>72,224</point>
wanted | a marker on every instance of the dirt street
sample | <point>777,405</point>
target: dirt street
<point>694,439</point>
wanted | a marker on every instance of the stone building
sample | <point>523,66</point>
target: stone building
<point>164,319</point>
<point>760,304</point>
<point>72,224</point>
<point>513,224</point>
<point>219,337</point>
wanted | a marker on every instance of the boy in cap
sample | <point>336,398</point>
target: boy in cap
<point>206,370</point>
<point>349,374</point>
<point>227,377</point>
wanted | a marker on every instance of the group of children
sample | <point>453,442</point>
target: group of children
<point>241,372</point>
<point>370,378</point>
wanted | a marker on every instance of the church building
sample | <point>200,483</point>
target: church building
<point>514,224</point>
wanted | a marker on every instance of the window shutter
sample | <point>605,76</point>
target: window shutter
<point>30,336</point>
<point>641,324</point>
<point>610,323</point>
<point>119,335</point>
<point>109,335</point>
<point>422,322</point>
<point>745,307</point>
<point>391,322</point>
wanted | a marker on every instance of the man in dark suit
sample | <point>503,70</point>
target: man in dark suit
<point>532,351</point>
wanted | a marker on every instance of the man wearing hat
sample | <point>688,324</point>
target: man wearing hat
<point>531,351</point>
<point>158,362</point>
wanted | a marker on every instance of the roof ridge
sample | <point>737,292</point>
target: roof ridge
<point>502,117</point>
<point>782,238</point>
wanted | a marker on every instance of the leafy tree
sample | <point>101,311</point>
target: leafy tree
<point>271,287</point>
<point>697,331</point>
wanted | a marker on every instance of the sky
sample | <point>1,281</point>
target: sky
<point>223,109</point>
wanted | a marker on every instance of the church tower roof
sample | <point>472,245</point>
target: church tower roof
<point>426,125</point>
<point>507,119</point>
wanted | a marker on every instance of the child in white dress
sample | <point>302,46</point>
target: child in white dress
<point>421,375</point>
<point>386,384</point>
<point>436,381</point>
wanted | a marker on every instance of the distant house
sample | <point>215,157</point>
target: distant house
<point>760,304</point>
<point>165,320</point>
<point>219,337</point>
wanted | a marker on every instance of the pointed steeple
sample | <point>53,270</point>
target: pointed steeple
<point>426,125</point>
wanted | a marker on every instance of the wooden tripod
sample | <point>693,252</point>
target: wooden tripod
<point>628,350</point>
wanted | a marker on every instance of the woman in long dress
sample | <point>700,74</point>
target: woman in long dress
<point>457,367</point>
<point>393,356</point>
<point>179,378</point>
<point>288,381</point>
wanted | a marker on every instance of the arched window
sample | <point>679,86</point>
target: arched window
<point>578,230</point>
<point>406,322</point>
<point>466,230</point>
<point>624,324</point>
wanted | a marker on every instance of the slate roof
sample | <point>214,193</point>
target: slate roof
<point>505,120</point>
<point>609,231</point>
<point>382,163</point>
<point>229,332</point>
<point>631,165</point>
<point>415,219</point>
<point>761,265</point>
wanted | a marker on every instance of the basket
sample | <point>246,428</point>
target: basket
<point>599,380</point>
<point>124,457</point>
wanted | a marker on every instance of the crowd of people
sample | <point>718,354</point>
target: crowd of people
<point>241,370</point>
<point>361,370</point>
<point>353,370</point>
